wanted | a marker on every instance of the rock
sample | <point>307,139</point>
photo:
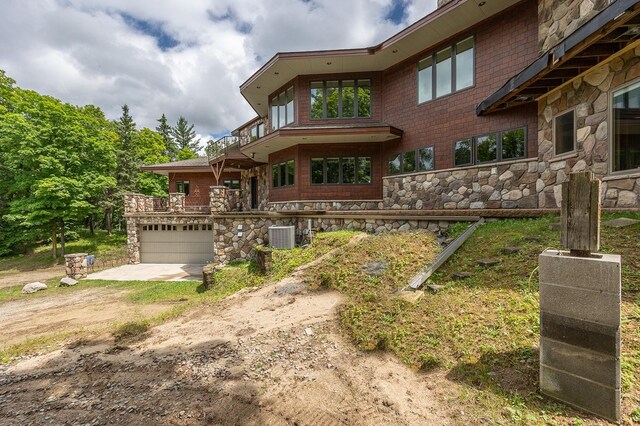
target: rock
<point>597,76</point>
<point>511,250</point>
<point>627,199</point>
<point>33,287</point>
<point>375,269</point>
<point>487,262</point>
<point>435,288</point>
<point>460,275</point>
<point>412,297</point>
<point>67,282</point>
<point>620,222</point>
<point>308,331</point>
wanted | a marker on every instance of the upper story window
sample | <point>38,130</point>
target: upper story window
<point>626,128</point>
<point>564,133</point>
<point>446,71</point>
<point>499,146</point>
<point>182,186</point>
<point>257,131</point>
<point>340,99</point>
<point>282,107</point>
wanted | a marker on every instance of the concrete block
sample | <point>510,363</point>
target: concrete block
<point>600,273</point>
<point>579,303</point>
<point>584,334</point>
<point>585,363</point>
<point>584,394</point>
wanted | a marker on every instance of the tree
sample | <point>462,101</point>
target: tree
<point>150,149</point>
<point>164,130</point>
<point>185,136</point>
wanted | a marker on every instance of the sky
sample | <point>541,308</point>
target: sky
<point>178,57</point>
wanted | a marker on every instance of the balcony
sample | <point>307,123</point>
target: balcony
<point>176,203</point>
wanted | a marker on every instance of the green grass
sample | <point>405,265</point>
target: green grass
<point>482,331</point>
<point>102,245</point>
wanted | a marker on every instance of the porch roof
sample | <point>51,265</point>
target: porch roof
<point>608,32</point>
<point>197,165</point>
<point>234,159</point>
<point>286,137</point>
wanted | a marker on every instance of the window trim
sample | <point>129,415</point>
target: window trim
<point>417,161</point>
<point>454,53</point>
<point>575,132</point>
<point>355,100</point>
<point>256,127</point>
<point>340,177</point>
<point>611,130</point>
<point>499,159</point>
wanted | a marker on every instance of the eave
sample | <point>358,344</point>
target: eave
<point>607,33</point>
<point>286,137</point>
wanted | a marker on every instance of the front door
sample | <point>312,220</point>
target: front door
<point>254,192</point>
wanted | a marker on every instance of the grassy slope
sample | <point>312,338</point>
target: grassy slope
<point>102,245</point>
<point>482,331</point>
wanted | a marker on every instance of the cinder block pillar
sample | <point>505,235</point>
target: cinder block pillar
<point>580,331</point>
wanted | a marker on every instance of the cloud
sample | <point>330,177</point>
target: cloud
<point>176,57</point>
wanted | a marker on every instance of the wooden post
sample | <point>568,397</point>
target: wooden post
<point>580,214</point>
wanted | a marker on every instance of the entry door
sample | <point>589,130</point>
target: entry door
<point>254,192</point>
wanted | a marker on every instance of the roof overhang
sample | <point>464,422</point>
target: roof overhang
<point>606,34</point>
<point>446,21</point>
<point>234,159</point>
<point>289,136</point>
<point>159,170</point>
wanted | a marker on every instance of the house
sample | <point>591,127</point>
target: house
<point>481,108</point>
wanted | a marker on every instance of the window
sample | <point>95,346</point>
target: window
<point>345,170</point>
<point>282,109</point>
<point>340,99</point>
<point>283,174</point>
<point>626,128</point>
<point>257,131</point>
<point>500,146</point>
<point>564,133</point>
<point>182,186</point>
<point>421,159</point>
<point>446,71</point>
<point>231,183</point>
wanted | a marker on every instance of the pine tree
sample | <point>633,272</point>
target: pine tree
<point>185,136</point>
<point>170,148</point>
<point>127,159</point>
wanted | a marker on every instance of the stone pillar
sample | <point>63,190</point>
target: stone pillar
<point>176,202</point>
<point>75,265</point>
<point>209,276</point>
<point>580,331</point>
<point>218,199</point>
<point>264,259</point>
<point>133,241</point>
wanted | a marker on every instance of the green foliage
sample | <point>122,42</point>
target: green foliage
<point>131,330</point>
<point>164,130</point>
<point>185,136</point>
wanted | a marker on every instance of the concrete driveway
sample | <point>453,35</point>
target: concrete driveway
<point>151,272</point>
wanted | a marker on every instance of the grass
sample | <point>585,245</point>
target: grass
<point>481,332</point>
<point>102,245</point>
<point>179,296</point>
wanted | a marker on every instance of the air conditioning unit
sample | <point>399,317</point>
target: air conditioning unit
<point>282,237</point>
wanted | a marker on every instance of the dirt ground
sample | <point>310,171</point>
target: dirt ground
<point>31,276</point>
<point>271,356</point>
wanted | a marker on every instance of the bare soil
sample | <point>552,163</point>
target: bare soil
<point>269,356</point>
<point>19,278</point>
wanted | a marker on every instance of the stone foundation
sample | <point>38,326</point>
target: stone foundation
<point>75,265</point>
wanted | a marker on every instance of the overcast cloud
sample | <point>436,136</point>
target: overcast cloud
<point>178,57</point>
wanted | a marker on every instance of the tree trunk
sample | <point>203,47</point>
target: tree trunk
<point>62,237</point>
<point>54,241</point>
<point>92,226</point>
<point>108,214</point>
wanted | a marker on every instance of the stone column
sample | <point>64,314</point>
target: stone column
<point>218,199</point>
<point>133,241</point>
<point>75,265</point>
<point>176,202</point>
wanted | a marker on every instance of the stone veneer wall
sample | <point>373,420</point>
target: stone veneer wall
<point>326,205</point>
<point>255,230</point>
<point>590,96</point>
<point>137,203</point>
<point>559,18</point>
<point>134,223</point>
<point>262,174</point>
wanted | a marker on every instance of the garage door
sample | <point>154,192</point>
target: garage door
<point>176,244</point>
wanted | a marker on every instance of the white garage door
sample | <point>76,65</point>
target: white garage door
<point>176,244</point>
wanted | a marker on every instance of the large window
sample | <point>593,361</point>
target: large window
<point>446,71</point>
<point>499,146</point>
<point>182,186</point>
<point>421,159</point>
<point>626,128</point>
<point>283,174</point>
<point>282,109</point>
<point>341,170</point>
<point>257,131</point>
<point>340,99</point>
